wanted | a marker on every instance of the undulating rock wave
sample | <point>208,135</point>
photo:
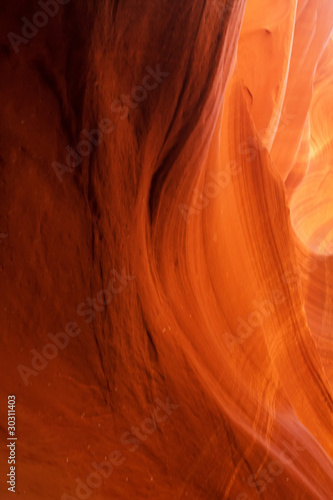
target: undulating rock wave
<point>167,248</point>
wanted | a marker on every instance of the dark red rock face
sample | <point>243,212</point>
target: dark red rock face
<point>166,249</point>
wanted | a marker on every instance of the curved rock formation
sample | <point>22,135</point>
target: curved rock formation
<point>166,247</point>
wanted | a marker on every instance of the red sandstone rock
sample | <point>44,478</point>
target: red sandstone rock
<point>166,249</point>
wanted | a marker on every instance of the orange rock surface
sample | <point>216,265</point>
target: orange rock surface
<point>166,249</point>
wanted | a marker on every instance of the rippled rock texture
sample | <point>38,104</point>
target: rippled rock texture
<point>166,248</point>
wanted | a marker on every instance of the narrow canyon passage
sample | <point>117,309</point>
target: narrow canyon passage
<point>166,244</point>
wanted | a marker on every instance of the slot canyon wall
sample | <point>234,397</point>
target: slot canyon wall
<point>166,246</point>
